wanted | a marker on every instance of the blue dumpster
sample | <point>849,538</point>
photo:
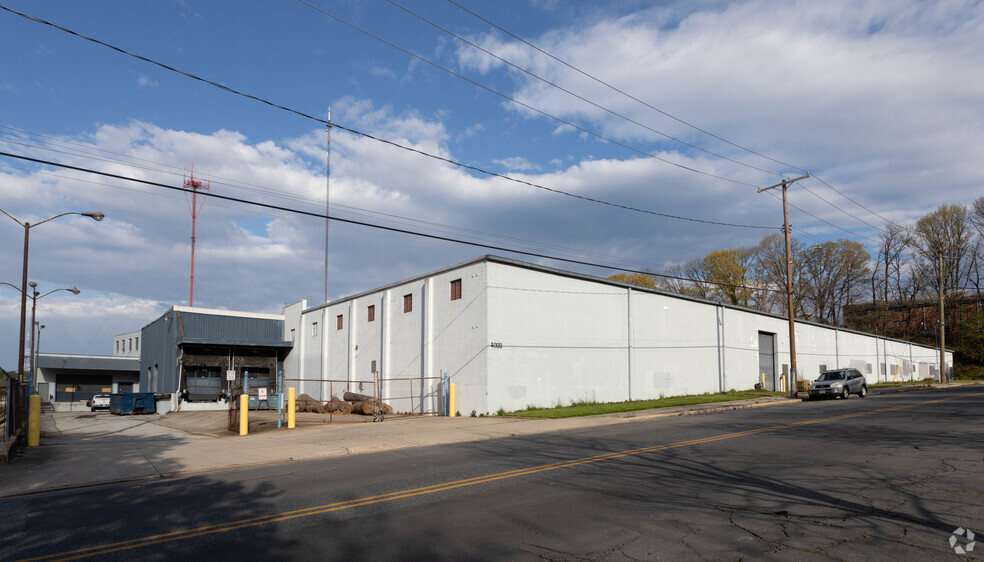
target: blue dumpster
<point>134,403</point>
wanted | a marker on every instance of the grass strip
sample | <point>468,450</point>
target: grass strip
<point>596,408</point>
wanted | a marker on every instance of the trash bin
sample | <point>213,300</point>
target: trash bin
<point>133,403</point>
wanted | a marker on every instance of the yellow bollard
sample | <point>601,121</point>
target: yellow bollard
<point>451,401</point>
<point>291,408</point>
<point>243,414</point>
<point>34,421</point>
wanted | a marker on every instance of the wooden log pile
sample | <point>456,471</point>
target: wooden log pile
<point>305,403</point>
<point>366,405</point>
<point>350,403</point>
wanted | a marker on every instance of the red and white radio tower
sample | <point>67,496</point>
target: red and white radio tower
<point>194,185</point>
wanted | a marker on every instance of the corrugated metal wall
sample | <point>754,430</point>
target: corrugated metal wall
<point>159,372</point>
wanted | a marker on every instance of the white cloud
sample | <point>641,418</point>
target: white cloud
<point>517,163</point>
<point>873,96</point>
<point>146,82</point>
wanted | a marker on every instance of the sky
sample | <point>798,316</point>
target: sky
<point>560,128</point>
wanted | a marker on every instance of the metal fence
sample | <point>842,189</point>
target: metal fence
<point>406,396</point>
<point>420,396</point>
<point>15,417</point>
<point>264,392</point>
<point>319,389</point>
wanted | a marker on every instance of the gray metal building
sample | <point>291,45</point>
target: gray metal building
<point>68,381</point>
<point>195,355</point>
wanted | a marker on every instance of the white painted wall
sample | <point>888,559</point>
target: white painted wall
<point>523,335</point>
<point>563,340</point>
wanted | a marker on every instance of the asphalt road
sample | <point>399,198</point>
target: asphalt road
<point>887,477</point>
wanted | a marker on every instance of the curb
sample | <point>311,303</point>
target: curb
<point>604,419</point>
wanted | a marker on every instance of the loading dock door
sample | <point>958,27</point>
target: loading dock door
<point>204,384</point>
<point>767,360</point>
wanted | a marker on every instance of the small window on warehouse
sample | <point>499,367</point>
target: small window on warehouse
<point>338,322</point>
<point>314,329</point>
<point>407,303</point>
<point>456,289</point>
<point>137,342</point>
<point>371,313</point>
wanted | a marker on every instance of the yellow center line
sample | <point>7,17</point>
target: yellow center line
<point>435,488</point>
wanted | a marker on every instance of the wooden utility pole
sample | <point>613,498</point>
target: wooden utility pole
<point>942,327</point>
<point>791,381</point>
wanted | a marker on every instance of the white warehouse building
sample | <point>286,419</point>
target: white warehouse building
<point>511,334</point>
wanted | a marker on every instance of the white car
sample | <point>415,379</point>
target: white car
<point>99,402</point>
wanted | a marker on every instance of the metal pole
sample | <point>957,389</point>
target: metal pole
<point>34,306</point>
<point>23,314</point>
<point>327,193</point>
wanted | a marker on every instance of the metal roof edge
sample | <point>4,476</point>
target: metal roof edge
<point>398,283</point>
<point>595,279</point>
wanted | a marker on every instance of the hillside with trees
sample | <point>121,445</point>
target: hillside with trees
<point>881,287</point>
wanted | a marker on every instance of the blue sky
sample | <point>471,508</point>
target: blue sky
<point>880,99</point>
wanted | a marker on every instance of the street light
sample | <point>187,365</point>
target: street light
<point>34,306</point>
<point>94,215</point>
<point>11,416</point>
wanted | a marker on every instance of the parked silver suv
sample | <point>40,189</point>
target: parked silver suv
<point>839,382</point>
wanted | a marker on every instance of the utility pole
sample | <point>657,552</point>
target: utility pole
<point>942,327</point>
<point>791,382</point>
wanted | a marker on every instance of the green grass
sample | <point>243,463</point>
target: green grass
<point>595,408</point>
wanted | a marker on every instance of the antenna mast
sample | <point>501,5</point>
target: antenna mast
<point>327,194</point>
<point>194,185</point>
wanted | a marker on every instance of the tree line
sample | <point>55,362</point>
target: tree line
<point>942,251</point>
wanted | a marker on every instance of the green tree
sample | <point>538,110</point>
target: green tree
<point>634,279</point>
<point>729,275</point>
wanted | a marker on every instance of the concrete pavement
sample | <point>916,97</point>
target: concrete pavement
<point>89,449</point>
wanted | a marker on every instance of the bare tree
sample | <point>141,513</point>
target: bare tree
<point>944,238</point>
<point>894,244</point>
<point>834,275</point>
<point>977,215</point>
<point>769,271</point>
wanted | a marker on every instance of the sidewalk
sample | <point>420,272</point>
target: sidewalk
<point>82,449</point>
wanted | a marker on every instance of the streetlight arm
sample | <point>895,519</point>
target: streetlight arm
<point>73,290</point>
<point>11,217</point>
<point>93,215</point>
<point>12,285</point>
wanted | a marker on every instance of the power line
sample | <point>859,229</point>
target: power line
<point>859,219</point>
<point>517,102</point>
<point>378,139</point>
<point>842,194</point>
<point>629,96</point>
<point>375,226</point>
<point>565,90</point>
<point>613,88</point>
<point>805,212</point>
